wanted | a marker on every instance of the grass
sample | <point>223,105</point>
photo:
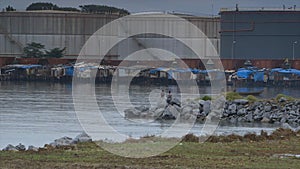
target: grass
<point>288,98</point>
<point>230,96</point>
<point>233,154</point>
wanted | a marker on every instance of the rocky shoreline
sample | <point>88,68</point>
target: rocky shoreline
<point>278,111</point>
<point>61,142</point>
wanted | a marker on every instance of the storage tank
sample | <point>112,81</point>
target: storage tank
<point>72,29</point>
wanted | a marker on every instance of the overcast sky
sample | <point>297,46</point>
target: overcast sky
<point>196,7</point>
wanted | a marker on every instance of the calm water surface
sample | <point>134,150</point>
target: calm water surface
<point>36,113</point>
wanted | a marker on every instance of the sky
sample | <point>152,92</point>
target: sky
<point>195,7</point>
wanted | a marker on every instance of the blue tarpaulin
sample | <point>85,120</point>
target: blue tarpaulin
<point>69,70</point>
<point>258,76</point>
<point>286,71</point>
<point>244,73</point>
<point>29,66</point>
<point>153,71</point>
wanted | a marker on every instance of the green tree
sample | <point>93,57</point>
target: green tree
<point>103,9</point>
<point>68,9</point>
<point>55,53</point>
<point>10,8</point>
<point>42,6</point>
<point>34,50</point>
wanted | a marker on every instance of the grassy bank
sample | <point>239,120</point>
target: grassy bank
<point>235,153</point>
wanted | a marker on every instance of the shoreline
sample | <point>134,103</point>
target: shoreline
<point>280,133</point>
<point>281,150</point>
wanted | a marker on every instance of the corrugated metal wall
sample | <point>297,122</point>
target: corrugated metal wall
<point>71,30</point>
<point>260,34</point>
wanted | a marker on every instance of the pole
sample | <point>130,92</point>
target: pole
<point>232,49</point>
<point>294,43</point>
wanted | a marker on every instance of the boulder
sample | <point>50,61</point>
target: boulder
<point>242,112</point>
<point>249,117</point>
<point>188,109</point>
<point>32,148</point>
<point>175,101</point>
<point>241,101</point>
<point>282,99</point>
<point>64,141</point>
<point>265,120</point>
<point>170,113</point>
<point>20,147</point>
<point>286,126</point>
<point>142,108</point>
<point>159,112</point>
<point>233,119</point>
<point>268,108</point>
<point>232,109</point>
<point>293,113</point>
<point>10,148</point>
<point>132,113</point>
<point>81,138</point>
<point>161,104</point>
<point>206,107</point>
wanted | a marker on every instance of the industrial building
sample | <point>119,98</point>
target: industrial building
<point>72,30</point>
<point>264,34</point>
<point>266,37</point>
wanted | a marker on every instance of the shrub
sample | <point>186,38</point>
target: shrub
<point>190,138</point>
<point>205,98</point>
<point>289,98</point>
<point>230,96</point>
<point>251,98</point>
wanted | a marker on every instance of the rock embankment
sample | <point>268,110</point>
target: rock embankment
<point>239,110</point>
<point>61,142</point>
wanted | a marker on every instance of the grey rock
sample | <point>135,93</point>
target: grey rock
<point>169,113</point>
<point>81,138</point>
<point>256,111</point>
<point>265,120</point>
<point>159,112</point>
<point>132,113</point>
<point>232,109</point>
<point>20,147</point>
<point>297,129</point>
<point>267,114</point>
<point>293,113</point>
<point>175,101</point>
<point>162,104</point>
<point>187,109</point>
<point>32,148</point>
<point>282,120</point>
<point>282,99</point>
<point>64,141</point>
<point>286,126</point>
<point>249,117</point>
<point>10,148</point>
<point>257,118</point>
<point>206,107</point>
<point>238,107</point>
<point>142,108</point>
<point>242,112</point>
<point>268,108</point>
<point>240,119</point>
<point>201,102</point>
<point>241,101</point>
<point>196,112</point>
<point>233,120</point>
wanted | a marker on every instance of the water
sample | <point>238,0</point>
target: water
<point>36,113</point>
